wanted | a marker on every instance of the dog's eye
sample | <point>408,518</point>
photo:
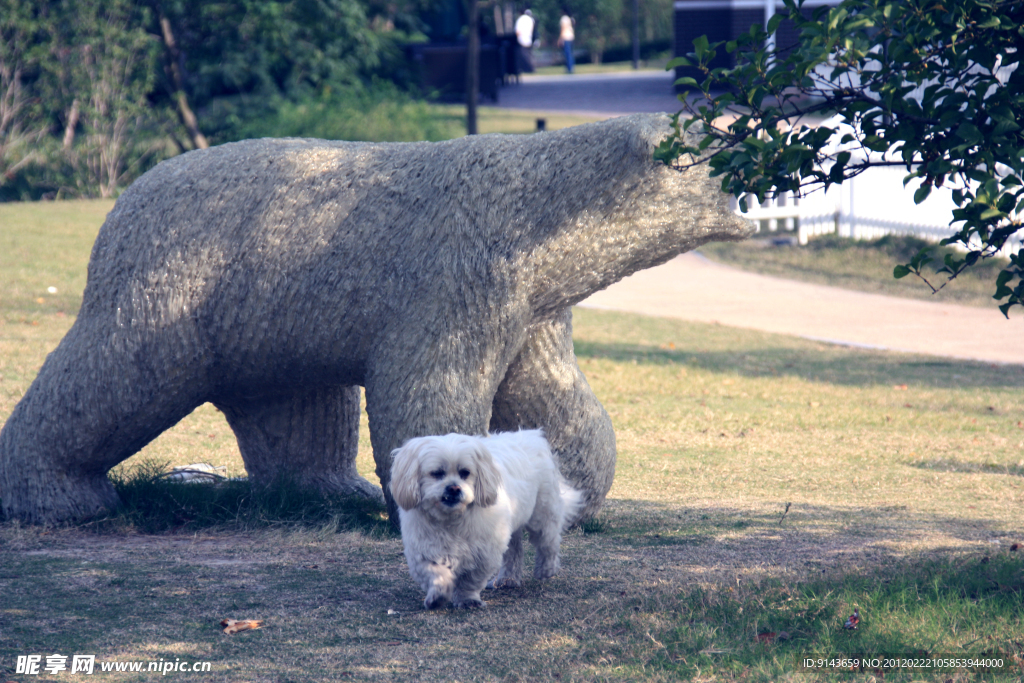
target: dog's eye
<point>464,474</point>
<point>437,474</point>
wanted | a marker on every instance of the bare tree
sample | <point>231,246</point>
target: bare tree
<point>114,73</point>
<point>16,120</point>
<point>174,66</point>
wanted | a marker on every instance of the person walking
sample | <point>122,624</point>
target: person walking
<point>566,36</point>
<point>525,25</point>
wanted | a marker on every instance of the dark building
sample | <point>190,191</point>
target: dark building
<point>727,20</point>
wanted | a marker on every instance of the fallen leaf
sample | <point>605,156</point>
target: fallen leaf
<point>232,626</point>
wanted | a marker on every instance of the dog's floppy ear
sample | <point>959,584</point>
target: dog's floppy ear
<point>405,474</point>
<point>488,478</point>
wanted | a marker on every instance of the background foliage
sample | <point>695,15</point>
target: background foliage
<point>94,92</point>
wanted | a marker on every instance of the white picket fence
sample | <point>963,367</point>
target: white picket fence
<point>869,206</point>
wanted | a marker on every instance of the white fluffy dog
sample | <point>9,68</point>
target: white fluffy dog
<point>464,502</point>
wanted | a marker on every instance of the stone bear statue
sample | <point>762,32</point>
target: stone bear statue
<point>274,277</point>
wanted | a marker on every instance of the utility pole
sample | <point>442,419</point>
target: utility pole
<point>769,12</point>
<point>472,67</point>
<point>636,34</point>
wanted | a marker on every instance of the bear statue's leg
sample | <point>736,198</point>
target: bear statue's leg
<point>408,395</point>
<point>96,401</point>
<point>308,435</point>
<point>545,388</point>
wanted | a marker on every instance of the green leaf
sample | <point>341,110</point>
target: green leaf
<point>968,131</point>
<point>1002,291</point>
<point>900,272</point>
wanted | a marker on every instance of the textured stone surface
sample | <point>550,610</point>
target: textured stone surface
<point>269,277</point>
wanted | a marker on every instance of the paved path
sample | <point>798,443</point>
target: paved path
<point>691,287</point>
<point>601,95</point>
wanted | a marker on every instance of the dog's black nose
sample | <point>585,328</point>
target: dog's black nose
<point>452,495</point>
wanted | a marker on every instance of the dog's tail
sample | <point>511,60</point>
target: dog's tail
<point>572,504</point>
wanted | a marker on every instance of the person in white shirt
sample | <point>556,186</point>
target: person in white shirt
<point>566,36</point>
<point>524,36</point>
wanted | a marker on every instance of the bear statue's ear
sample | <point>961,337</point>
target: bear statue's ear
<point>488,478</point>
<point>405,474</point>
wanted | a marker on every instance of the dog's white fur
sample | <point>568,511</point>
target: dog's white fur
<point>464,501</point>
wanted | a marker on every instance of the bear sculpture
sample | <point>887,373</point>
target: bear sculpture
<point>275,277</point>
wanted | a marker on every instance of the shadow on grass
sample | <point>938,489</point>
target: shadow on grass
<point>814,362</point>
<point>628,606</point>
<point>796,537</point>
<point>903,611</point>
<point>152,503</point>
<point>951,465</point>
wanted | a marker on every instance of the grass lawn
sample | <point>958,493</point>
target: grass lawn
<point>864,265</point>
<point>496,120</point>
<point>604,67</point>
<point>766,487</point>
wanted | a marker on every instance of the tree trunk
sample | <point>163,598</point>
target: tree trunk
<point>71,125</point>
<point>188,117</point>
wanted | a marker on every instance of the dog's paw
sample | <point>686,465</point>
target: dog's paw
<point>434,599</point>
<point>546,569</point>
<point>470,603</point>
<point>505,582</point>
